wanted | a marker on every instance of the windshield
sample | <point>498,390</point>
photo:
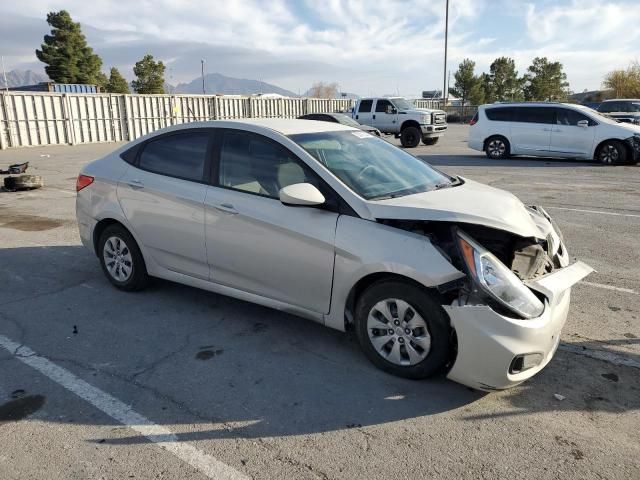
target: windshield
<point>344,120</point>
<point>371,167</point>
<point>402,103</point>
<point>609,107</point>
<point>596,115</point>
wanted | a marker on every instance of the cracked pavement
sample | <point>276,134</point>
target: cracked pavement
<point>276,396</point>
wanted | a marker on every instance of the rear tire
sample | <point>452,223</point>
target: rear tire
<point>402,329</point>
<point>612,152</point>
<point>121,259</point>
<point>430,140</point>
<point>410,137</point>
<point>497,148</point>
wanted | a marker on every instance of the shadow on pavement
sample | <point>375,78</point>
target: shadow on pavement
<point>481,160</point>
<point>183,356</point>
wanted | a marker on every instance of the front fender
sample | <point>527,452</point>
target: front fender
<point>365,247</point>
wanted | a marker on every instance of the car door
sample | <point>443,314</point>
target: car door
<point>531,130</point>
<point>162,196</point>
<point>364,116</point>
<point>570,139</point>
<point>385,116</point>
<point>254,242</point>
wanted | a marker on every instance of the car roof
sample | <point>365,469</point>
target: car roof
<point>292,126</point>
<point>622,100</point>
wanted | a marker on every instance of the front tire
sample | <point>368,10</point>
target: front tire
<point>410,137</point>
<point>612,152</point>
<point>121,259</point>
<point>430,140</point>
<point>497,148</point>
<point>402,329</point>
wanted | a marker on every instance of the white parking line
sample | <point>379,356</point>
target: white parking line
<point>610,287</point>
<point>595,211</point>
<point>123,413</point>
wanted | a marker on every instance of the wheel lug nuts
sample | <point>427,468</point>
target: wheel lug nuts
<point>391,332</point>
<point>396,322</point>
<point>401,340</point>
<point>407,331</point>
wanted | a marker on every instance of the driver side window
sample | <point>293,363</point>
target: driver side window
<point>254,164</point>
<point>381,105</point>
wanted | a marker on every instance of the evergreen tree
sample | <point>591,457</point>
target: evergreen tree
<point>545,80</point>
<point>68,57</point>
<point>117,83</point>
<point>465,80</point>
<point>150,76</point>
<point>504,77</point>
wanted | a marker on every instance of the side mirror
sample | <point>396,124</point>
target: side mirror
<point>301,194</point>
<point>391,110</point>
<point>583,123</point>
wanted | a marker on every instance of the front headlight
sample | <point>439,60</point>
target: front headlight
<point>496,280</point>
<point>426,119</point>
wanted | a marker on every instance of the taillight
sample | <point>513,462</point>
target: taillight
<point>83,181</point>
<point>474,120</point>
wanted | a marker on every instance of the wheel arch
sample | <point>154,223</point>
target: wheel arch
<point>495,135</point>
<point>409,123</point>
<point>368,280</point>
<point>626,146</point>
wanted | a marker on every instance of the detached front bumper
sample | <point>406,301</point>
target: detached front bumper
<point>489,343</point>
<point>634,143</point>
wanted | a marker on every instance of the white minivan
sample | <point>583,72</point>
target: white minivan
<point>553,130</point>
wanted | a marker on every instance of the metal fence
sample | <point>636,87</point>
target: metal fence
<point>43,118</point>
<point>32,118</point>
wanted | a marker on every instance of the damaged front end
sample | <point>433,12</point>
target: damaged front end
<point>507,312</point>
<point>528,258</point>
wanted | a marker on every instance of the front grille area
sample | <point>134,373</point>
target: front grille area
<point>440,118</point>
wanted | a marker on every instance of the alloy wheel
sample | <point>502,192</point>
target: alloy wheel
<point>609,154</point>
<point>496,148</point>
<point>117,258</point>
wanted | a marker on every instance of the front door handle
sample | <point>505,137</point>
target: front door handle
<point>374,117</point>
<point>226,208</point>
<point>135,183</point>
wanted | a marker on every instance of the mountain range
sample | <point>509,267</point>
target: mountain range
<point>218,83</point>
<point>19,78</point>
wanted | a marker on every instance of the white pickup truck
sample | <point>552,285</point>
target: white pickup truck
<point>398,116</point>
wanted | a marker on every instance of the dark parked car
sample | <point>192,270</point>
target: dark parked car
<point>622,110</point>
<point>340,118</point>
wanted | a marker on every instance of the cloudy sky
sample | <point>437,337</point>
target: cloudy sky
<point>368,47</point>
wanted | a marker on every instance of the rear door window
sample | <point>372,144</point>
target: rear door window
<point>365,106</point>
<point>533,115</point>
<point>181,155</point>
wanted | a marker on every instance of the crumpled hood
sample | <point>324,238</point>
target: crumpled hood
<point>471,202</point>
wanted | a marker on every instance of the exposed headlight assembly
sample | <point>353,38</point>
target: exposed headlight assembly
<point>493,278</point>
<point>426,119</point>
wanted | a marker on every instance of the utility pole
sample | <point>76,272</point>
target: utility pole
<point>202,74</point>
<point>4,74</point>
<point>445,93</point>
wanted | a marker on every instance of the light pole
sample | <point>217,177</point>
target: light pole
<point>445,93</point>
<point>202,73</point>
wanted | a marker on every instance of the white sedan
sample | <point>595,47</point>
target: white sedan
<point>433,273</point>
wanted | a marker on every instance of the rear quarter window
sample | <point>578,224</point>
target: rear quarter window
<point>499,114</point>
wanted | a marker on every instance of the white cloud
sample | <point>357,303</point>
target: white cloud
<point>368,47</point>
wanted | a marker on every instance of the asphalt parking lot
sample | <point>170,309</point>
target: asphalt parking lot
<point>89,375</point>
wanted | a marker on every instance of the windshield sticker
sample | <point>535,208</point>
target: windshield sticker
<point>360,134</point>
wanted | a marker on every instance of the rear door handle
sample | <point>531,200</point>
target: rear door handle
<point>136,184</point>
<point>226,208</point>
<point>374,117</point>
<point>546,129</point>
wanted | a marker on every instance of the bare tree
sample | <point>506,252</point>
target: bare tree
<point>323,90</point>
